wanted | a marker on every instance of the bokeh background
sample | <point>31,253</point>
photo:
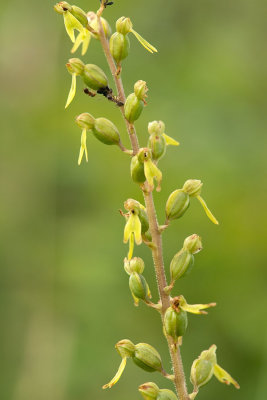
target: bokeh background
<point>64,295</point>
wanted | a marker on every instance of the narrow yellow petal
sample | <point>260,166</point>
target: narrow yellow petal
<point>197,308</point>
<point>224,377</point>
<point>72,90</point>
<point>127,231</point>
<point>86,42</point>
<point>144,43</point>
<point>83,148</point>
<point>151,172</point>
<point>79,39</point>
<point>71,23</point>
<point>118,374</point>
<point>131,246</point>
<point>207,210</point>
<point>137,229</point>
<point>170,141</point>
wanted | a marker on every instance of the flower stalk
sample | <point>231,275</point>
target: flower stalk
<point>141,221</point>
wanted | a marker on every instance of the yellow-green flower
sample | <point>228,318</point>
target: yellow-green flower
<point>132,231</point>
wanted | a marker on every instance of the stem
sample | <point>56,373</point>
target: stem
<point>179,377</point>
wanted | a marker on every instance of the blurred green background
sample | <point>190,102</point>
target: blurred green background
<point>64,295</point>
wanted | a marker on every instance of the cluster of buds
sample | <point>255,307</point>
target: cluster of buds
<point>142,354</point>
<point>179,201</point>
<point>137,283</point>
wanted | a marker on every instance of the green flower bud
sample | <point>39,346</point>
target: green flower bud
<point>85,121</point>
<point>193,244</point>
<point>75,66</point>
<point>205,366</point>
<point>124,25</point>
<point>193,187</point>
<point>133,108</point>
<point>79,14</point>
<point>119,46</point>
<point>181,264</point>
<point>149,391</point>
<point>175,322</point>
<point>137,170</point>
<point>201,372</point>
<point>156,127</point>
<point>62,7</point>
<point>140,90</point>
<point>157,144</point>
<point>138,286</point>
<point>94,77</point>
<point>105,131</point>
<point>147,358</point>
<point>93,22</point>
<point>136,264</point>
<point>177,204</point>
<point>166,394</point>
<point>125,348</point>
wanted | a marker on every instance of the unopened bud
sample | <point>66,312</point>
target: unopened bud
<point>85,121</point>
<point>149,391</point>
<point>175,322</point>
<point>177,203</point>
<point>119,46</point>
<point>105,131</point>
<point>136,264</point>
<point>181,264</point>
<point>157,144</point>
<point>62,7</point>
<point>156,127</point>
<point>193,244</point>
<point>75,66</point>
<point>147,358</point>
<point>133,108</point>
<point>125,348</point>
<point>137,170</point>
<point>201,372</point>
<point>166,394</point>
<point>138,286</point>
<point>94,77</point>
<point>193,187</point>
<point>140,90</point>
<point>124,25</point>
<point>94,24</point>
<point>79,14</point>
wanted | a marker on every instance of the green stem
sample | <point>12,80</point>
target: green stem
<point>179,377</point>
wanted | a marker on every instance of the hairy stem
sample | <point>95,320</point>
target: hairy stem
<point>157,254</point>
